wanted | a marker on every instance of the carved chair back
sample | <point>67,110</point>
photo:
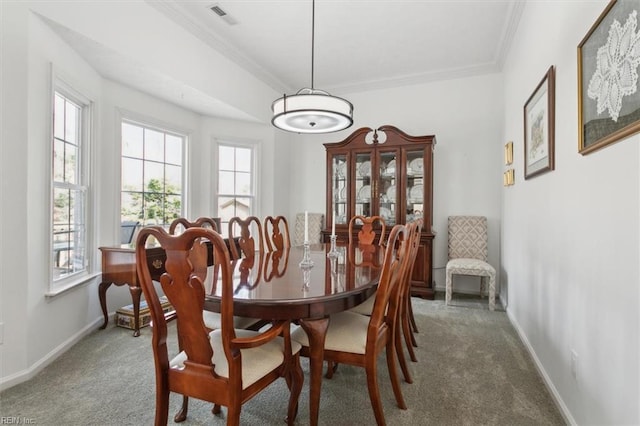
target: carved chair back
<point>248,233</point>
<point>276,233</point>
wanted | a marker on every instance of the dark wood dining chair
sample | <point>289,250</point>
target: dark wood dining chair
<point>358,340</point>
<point>212,320</point>
<point>367,234</point>
<point>276,233</point>
<point>405,310</point>
<point>182,223</point>
<point>245,237</point>
<point>226,366</point>
<point>367,238</point>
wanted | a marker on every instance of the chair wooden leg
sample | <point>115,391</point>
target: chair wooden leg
<point>401,359</point>
<point>162,407</point>
<point>374,391</point>
<point>393,374</point>
<point>233,415</point>
<point>412,318</point>
<point>332,367</point>
<point>295,381</point>
<point>181,415</point>
<point>216,409</point>
<point>408,338</point>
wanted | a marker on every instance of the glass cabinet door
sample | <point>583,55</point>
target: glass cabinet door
<point>414,185</point>
<point>363,184</point>
<point>339,188</point>
<point>387,187</point>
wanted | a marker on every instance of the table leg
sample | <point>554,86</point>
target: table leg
<point>102,294</point>
<point>316,330</point>
<point>135,296</point>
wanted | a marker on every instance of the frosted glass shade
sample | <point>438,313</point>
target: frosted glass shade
<point>312,111</point>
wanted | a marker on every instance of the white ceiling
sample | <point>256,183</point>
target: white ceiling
<point>359,44</point>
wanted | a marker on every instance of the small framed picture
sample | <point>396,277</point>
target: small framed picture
<point>508,153</point>
<point>539,127</point>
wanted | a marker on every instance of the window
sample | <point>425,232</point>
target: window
<point>235,183</point>
<point>70,187</point>
<point>152,170</point>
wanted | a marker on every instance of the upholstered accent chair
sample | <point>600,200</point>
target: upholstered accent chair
<point>315,228</point>
<point>468,253</point>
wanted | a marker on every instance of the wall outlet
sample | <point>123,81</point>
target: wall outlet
<point>574,364</point>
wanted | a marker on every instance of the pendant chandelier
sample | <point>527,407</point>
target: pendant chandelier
<point>311,110</point>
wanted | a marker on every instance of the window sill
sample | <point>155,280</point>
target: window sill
<point>64,288</point>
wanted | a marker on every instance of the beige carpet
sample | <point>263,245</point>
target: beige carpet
<point>472,370</point>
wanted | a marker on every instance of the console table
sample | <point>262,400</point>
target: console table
<point>119,268</point>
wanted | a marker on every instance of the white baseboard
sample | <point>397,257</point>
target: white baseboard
<point>564,410</point>
<point>29,373</point>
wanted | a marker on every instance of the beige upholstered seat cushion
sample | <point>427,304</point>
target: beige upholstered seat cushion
<point>256,362</point>
<point>212,321</point>
<point>474,267</point>
<point>347,332</point>
<point>366,307</point>
<point>470,267</point>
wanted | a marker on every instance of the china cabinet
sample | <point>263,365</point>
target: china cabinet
<point>388,173</point>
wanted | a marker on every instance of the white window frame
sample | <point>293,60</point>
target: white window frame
<point>84,184</point>
<point>254,146</point>
<point>152,124</point>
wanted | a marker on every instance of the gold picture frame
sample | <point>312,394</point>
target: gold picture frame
<point>508,153</point>
<point>508,177</point>
<point>602,66</point>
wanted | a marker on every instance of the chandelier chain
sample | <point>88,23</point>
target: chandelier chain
<point>313,36</point>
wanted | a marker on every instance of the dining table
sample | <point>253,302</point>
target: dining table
<point>303,284</point>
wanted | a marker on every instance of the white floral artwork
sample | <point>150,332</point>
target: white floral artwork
<point>616,73</point>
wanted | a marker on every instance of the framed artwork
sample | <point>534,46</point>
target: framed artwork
<point>608,95</point>
<point>539,127</point>
<point>508,177</point>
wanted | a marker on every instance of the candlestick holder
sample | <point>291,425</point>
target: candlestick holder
<point>333,252</point>
<point>306,278</point>
<point>306,261</point>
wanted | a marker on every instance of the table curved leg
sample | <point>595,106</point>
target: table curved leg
<point>102,294</point>
<point>135,296</point>
<point>316,330</point>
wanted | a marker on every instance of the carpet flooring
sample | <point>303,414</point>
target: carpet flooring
<point>472,369</point>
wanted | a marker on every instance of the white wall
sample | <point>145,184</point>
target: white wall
<point>465,115</point>
<point>37,328</point>
<point>13,158</point>
<point>570,243</point>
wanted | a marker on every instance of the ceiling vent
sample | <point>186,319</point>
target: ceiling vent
<point>221,13</point>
